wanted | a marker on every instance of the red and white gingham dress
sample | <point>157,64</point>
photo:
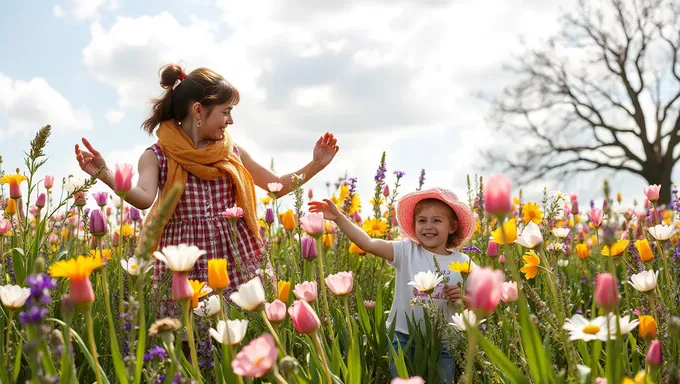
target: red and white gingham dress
<point>199,220</point>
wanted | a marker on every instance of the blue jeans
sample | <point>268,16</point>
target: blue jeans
<point>447,364</point>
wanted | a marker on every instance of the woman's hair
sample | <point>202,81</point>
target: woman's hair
<point>455,239</point>
<point>201,85</point>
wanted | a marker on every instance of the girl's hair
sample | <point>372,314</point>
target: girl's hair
<point>201,85</point>
<point>455,239</point>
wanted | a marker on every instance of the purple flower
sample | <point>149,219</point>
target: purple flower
<point>269,216</point>
<point>134,214</point>
<point>155,352</point>
<point>470,248</point>
<point>101,198</point>
<point>399,174</point>
<point>421,179</point>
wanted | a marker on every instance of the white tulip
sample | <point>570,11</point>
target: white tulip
<point>561,232</point>
<point>644,281</point>
<point>250,295</point>
<point>459,320</point>
<point>14,296</point>
<point>208,307</point>
<point>426,281</point>
<point>661,232</point>
<point>531,236</point>
<point>230,332</point>
<point>180,258</point>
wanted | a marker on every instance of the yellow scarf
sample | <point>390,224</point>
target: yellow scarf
<point>214,161</point>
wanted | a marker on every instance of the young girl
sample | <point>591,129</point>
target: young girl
<point>195,151</point>
<point>433,222</point>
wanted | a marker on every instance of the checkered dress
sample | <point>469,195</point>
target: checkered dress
<point>198,220</point>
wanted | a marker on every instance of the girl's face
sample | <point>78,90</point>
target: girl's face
<point>433,226</point>
<point>214,125</point>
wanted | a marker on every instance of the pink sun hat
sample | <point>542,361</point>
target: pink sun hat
<point>407,205</point>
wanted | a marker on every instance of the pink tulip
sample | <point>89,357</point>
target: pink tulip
<point>276,311</point>
<point>41,200</point>
<point>310,194</point>
<point>304,318</point>
<point>606,291</point>
<point>497,200</point>
<point>48,182</point>
<point>386,190</point>
<point>595,215</point>
<point>655,354</point>
<point>33,210</point>
<point>52,238</point>
<point>340,283</point>
<point>81,291</point>
<point>5,226</point>
<point>181,289</point>
<point>484,286</point>
<point>305,291</point>
<point>492,249</point>
<point>313,224</point>
<point>652,192</point>
<point>509,292</point>
<point>256,358</point>
<point>309,248</point>
<point>501,259</point>
<point>115,241</point>
<point>411,380</point>
<point>233,212</point>
<point>122,181</point>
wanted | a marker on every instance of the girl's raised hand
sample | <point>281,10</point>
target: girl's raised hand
<point>90,160</point>
<point>326,207</point>
<point>325,149</point>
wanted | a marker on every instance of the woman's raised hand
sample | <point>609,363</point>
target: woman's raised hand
<point>90,160</point>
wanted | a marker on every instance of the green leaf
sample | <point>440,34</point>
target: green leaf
<point>399,362</point>
<point>83,348</point>
<point>354,359</point>
<point>499,359</point>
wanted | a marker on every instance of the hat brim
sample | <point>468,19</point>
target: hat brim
<point>407,205</point>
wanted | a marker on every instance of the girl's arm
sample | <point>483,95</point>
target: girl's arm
<point>324,151</point>
<point>143,195</point>
<point>379,247</point>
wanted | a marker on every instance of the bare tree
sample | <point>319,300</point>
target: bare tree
<point>604,93</point>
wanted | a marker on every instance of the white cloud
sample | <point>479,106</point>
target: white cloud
<point>114,116</point>
<point>57,11</point>
<point>89,9</point>
<point>26,106</point>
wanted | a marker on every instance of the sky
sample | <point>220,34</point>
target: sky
<point>395,76</point>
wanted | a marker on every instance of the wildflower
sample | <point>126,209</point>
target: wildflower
<point>616,249</point>
<point>375,227</point>
<point>304,318</point>
<point>459,320</point>
<point>78,272</point>
<point>530,268</point>
<point>199,290</point>
<point>461,267</point>
<point>560,232</point>
<point>218,278</point>
<point>180,258</point>
<point>426,281</point>
<point>306,291</point>
<point>595,215</point>
<point>13,296</point>
<point>133,267</point>
<point>233,213</point>
<point>122,179</point>
<point>14,181</point>
<point>230,332</point>
<point>340,283</point>
<point>644,281</point>
<point>256,358</point>
<point>531,212</point>
<point>313,224</point>
<point>250,295</point>
<point>497,195</point>
<point>582,329</point>
<point>510,230</point>
<point>647,326</point>
<point>582,251</point>
<point>531,236</point>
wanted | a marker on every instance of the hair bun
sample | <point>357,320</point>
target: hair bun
<point>170,73</point>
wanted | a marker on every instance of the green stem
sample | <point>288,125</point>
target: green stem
<point>9,327</point>
<point>349,318</point>
<point>322,355</point>
<point>282,351</point>
<point>121,306</point>
<point>93,343</point>
<point>118,365</point>
<point>470,356</point>
<point>190,338</point>
<point>141,342</point>
<point>322,287</point>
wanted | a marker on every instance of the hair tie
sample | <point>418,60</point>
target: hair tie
<point>181,77</point>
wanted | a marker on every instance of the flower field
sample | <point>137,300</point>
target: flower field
<point>560,291</point>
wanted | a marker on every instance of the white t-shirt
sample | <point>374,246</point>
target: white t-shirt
<point>409,259</point>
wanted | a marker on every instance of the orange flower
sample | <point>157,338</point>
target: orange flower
<point>353,248</point>
<point>617,248</point>
<point>200,290</point>
<point>283,288</point>
<point>11,207</point>
<point>288,220</point>
<point>327,240</point>
<point>647,326</point>
<point>218,278</point>
<point>582,251</point>
<point>530,269</point>
<point>532,212</point>
<point>510,229</point>
<point>644,250</point>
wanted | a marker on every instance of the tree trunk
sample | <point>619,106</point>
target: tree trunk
<point>662,177</point>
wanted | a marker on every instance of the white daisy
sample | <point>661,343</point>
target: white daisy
<point>459,320</point>
<point>426,281</point>
<point>581,328</point>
